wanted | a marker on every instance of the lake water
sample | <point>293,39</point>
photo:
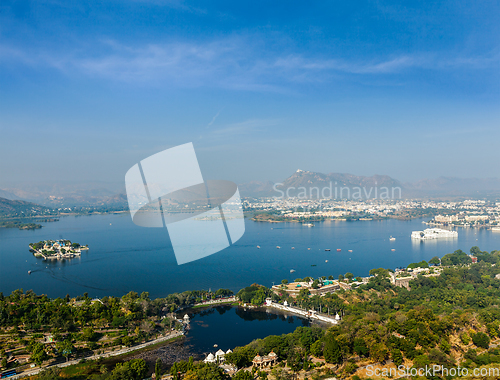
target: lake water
<point>229,327</point>
<point>125,257</point>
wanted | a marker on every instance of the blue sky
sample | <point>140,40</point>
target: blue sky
<point>405,88</point>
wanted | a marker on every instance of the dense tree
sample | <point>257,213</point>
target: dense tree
<point>421,361</point>
<point>378,352</point>
<point>38,354</point>
<point>317,349</point>
<point>360,347</point>
<point>475,251</point>
<point>480,339</point>
<point>435,260</point>
<point>281,374</point>
<point>295,359</point>
<point>456,258</point>
<point>421,264</point>
<point>65,348</point>
<point>332,351</point>
<point>241,356</point>
<point>397,357</point>
<point>379,272</point>
<point>223,293</point>
<point>243,375</point>
<point>158,368</point>
<point>206,372</point>
<point>255,294</point>
<point>88,334</point>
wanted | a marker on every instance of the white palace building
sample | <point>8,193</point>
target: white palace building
<point>219,357</point>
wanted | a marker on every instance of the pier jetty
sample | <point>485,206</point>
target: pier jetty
<point>310,314</point>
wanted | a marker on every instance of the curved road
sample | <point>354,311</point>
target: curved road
<point>106,355</point>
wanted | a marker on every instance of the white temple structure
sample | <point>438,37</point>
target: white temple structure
<point>219,357</point>
<point>265,361</point>
<point>210,358</point>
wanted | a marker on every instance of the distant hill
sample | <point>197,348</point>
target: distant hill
<point>117,199</point>
<point>69,195</point>
<point>15,208</point>
<point>455,186</point>
<point>306,179</point>
<point>439,187</point>
<point>8,195</point>
<point>309,180</point>
<point>256,189</point>
<point>112,195</point>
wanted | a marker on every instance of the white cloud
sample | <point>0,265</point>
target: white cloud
<point>236,63</point>
<point>213,119</point>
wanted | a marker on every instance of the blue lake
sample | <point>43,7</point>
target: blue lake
<point>125,257</point>
<point>229,327</point>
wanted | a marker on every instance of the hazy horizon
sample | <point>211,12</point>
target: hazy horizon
<point>439,186</point>
<point>119,183</point>
<point>261,90</point>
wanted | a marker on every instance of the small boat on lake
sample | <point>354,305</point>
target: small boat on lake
<point>338,250</point>
<point>292,270</point>
<point>278,247</point>
<point>350,250</point>
<point>327,250</point>
<point>258,246</point>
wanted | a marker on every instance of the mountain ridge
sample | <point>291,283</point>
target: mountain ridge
<point>98,194</point>
<point>19,208</point>
<point>440,186</point>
